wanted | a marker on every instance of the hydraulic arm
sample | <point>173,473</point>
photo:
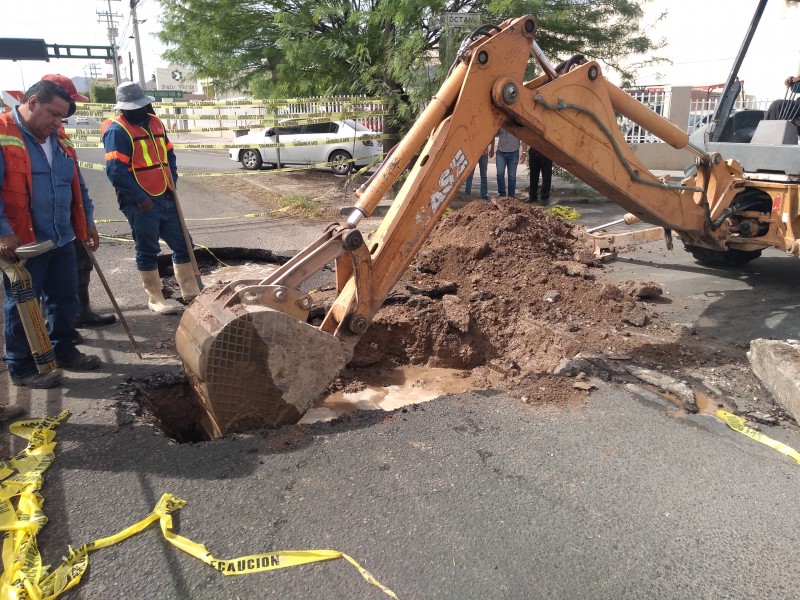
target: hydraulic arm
<point>249,352</point>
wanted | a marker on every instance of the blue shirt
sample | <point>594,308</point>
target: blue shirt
<point>129,192</point>
<point>51,199</point>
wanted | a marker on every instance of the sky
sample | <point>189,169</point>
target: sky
<point>75,22</point>
<point>702,36</point>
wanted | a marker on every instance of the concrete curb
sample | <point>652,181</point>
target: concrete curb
<point>777,364</point>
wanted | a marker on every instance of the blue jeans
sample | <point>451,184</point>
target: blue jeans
<point>507,160</point>
<point>483,165</point>
<point>161,221</point>
<point>54,279</point>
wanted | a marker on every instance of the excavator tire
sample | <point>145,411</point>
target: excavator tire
<point>722,258</point>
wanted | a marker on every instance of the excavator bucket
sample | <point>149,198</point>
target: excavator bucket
<point>250,365</point>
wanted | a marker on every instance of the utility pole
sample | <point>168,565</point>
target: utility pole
<point>130,67</point>
<point>136,43</point>
<point>112,39</point>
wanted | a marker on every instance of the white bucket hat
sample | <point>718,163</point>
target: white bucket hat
<point>130,96</point>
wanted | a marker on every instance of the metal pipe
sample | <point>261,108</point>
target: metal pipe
<point>627,219</point>
<point>543,61</point>
<point>111,297</point>
<point>732,86</point>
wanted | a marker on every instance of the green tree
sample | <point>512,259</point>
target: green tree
<point>389,48</point>
<point>103,94</point>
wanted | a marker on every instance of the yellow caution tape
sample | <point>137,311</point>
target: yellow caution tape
<point>259,119</point>
<point>273,102</point>
<point>78,142</point>
<point>306,167</point>
<point>91,166</point>
<point>737,423</point>
<point>25,577</point>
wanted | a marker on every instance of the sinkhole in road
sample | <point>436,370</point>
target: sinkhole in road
<point>167,401</point>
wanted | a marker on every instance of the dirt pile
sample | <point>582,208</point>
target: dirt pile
<point>504,286</point>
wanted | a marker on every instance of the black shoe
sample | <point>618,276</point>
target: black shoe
<point>79,362</point>
<point>89,318</point>
<point>10,411</point>
<point>530,200</point>
<point>39,381</point>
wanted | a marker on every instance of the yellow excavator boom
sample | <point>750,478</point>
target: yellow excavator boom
<point>250,353</point>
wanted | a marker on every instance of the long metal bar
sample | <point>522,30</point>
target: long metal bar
<point>732,86</point>
<point>111,297</point>
<point>186,237</point>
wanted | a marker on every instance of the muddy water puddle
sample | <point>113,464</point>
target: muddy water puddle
<point>390,390</point>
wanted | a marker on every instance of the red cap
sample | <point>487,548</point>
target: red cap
<point>66,83</point>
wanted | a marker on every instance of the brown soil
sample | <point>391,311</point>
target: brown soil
<point>505,288</point>
<point>505,292</point>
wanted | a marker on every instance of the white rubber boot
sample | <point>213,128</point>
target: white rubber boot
<point>184,274</point>
<point>155,299</point>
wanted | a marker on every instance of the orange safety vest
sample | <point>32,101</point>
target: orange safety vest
<point>18,182</point>
<point>149,162</point>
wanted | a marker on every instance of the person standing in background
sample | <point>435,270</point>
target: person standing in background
<point>506,159</point>
<point>483,165</point>
<point>538,163</point>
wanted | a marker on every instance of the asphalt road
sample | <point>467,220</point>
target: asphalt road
<point>468,496</point>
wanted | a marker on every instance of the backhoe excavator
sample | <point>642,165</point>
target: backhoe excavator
<point>248,349</point>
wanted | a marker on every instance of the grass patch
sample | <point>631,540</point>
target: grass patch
<point>580,187</point>
<point>299,205</point>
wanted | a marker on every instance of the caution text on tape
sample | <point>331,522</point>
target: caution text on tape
<point>25,577</point>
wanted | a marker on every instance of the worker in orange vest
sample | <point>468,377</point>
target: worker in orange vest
<point>140,164</point>
<point>42,198</point>
<point>86,317</point>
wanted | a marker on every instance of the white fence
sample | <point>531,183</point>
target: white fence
<point>701,111</point>
<point>241,115</point>
<point>661,101</point>
<point>657,100</point>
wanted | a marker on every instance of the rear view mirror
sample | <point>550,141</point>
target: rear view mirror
<point>270,132</point>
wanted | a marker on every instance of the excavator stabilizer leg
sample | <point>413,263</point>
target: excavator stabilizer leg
<point>251,366</point>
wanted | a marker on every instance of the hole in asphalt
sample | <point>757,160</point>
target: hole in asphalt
<point>164,400</point>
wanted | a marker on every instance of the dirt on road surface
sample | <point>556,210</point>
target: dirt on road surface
<point>504,292</point>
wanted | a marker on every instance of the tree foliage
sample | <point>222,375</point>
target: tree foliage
<point>390,48</point>
<point>104,94</point>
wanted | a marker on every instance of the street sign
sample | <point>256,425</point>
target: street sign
<point>462,20</point>
<point>22,49</point>
<point>165,93</point>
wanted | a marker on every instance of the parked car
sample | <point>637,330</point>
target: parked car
<point>81,120</point>
<point>340,143</point>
